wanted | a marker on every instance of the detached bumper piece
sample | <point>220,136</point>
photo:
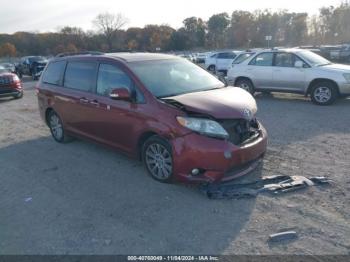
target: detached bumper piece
<point>275,185</point>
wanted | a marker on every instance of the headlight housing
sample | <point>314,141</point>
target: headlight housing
<point>347,77</point>
<point>203,126</point>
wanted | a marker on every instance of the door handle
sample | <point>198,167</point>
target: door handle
<point>95,103</point>
<point>83,100</point>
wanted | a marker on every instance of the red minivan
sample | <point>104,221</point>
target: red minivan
<point>180,120</point>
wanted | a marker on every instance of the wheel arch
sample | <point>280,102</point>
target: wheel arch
<point>318,80</point>
<point>47,113</point>
<point>142,139</point>
<point>243,78</point>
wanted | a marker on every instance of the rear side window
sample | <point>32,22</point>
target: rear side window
<point>54,72</point>
<point>80,76</point>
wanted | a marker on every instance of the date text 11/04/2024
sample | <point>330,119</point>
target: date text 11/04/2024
<point>173,258</point>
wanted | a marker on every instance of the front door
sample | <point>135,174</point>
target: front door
<point>285,75</point>
<point>114,121</point>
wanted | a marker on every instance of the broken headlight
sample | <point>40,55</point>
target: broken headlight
<point>203,126</point>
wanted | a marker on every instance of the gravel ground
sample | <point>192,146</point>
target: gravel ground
<point>81,198</point>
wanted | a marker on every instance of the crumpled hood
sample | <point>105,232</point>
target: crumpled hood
<point>224,103</point>
<point>336,67</point>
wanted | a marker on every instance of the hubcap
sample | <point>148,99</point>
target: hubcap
<point>159,162</point>
<point>56,127</point>
<point>322,94</point>
<point>245,86</point>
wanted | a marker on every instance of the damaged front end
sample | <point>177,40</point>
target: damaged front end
<point>206,158</point>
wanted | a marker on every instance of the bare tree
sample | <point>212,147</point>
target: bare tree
<point>108,24</point>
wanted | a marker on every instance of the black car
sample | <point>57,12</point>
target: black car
<point>32,66</point>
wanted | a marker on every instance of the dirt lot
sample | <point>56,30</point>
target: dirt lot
<point>82,198</point>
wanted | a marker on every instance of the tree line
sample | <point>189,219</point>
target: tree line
<point>240,29</point>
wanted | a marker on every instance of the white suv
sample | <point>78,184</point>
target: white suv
<point>220,61</point>
<point>292,71</point>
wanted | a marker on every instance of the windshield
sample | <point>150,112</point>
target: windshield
<point>242,57</point>
<point>164,78</point>
<point>314,59</point>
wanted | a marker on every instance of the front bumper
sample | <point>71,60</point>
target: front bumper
<point>10,91</point>
<point>218,160</point>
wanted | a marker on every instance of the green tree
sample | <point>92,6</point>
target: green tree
<point>217,25</point>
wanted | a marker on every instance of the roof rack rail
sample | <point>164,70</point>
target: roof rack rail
<point>80,53</point>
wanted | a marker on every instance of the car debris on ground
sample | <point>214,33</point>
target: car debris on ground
<point>277,184</point>
<point>282,236</point>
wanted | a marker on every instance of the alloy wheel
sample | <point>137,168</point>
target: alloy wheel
<point>322,94</point>
<point>159,161</point>
<point>56,127</point>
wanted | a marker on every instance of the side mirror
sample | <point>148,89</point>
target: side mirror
<point>120,94</point>
<point>299,64</point>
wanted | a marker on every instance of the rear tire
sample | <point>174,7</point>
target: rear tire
<point>246,84</point>
<point>157,158</point>
<point>324,93</point>
<point>57,129</point>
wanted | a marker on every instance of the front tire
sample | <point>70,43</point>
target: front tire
<point>324,93</point>
<point>158,160</point>
<point>246,84</point>
<point>57,129</point>
<point>212,69</point>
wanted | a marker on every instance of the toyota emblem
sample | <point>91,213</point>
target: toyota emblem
<point>247,113</point>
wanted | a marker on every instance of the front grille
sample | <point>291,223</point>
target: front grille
<point>241,131</point>
<point>5,80</point>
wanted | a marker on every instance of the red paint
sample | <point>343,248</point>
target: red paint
<point>121,124</point>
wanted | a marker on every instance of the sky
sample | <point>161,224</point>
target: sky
<point>50,15</point>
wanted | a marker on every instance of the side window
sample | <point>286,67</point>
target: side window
<point>222,55</point>
<point>54,73</point>
<point>80,76</point>
<point>264,59</point>
<point>229,55</point>
<point>110,77</point>
<point>286,60</point>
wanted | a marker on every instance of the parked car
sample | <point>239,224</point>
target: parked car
<point>292,71</point>
<point>200,58</point>
<point>10,84</point>
<point>220,61</point>
<point>328,50</point>
<point>9,66</point>
<point>342,54</point>
<point>32,66</point>
<point>179,119</point>
<point>189,57</point>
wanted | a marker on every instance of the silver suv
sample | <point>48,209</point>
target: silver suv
<point>292,71</point>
